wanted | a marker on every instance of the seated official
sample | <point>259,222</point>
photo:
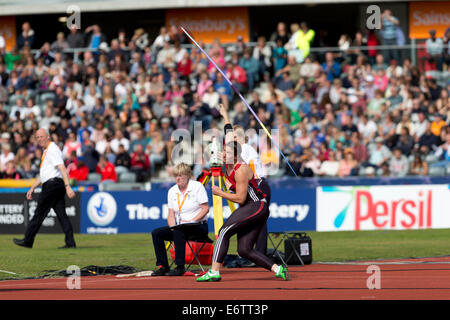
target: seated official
<point>188,203</point>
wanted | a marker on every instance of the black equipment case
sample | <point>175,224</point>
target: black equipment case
<point>298,249</point>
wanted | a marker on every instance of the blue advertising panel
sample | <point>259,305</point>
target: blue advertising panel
<point>292,209</point>
<point>123,211</point>
<point>142,211</point>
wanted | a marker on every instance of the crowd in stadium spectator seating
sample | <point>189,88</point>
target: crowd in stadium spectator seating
<point>112,109</point>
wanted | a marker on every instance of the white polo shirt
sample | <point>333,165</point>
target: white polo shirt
<point>252,158</point>
<point>186,206</point>
<point>51,158</point>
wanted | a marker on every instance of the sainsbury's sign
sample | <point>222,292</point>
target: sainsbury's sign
<point>383,207</point>
<point>427,15</point>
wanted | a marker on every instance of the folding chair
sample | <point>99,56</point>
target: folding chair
<point>202,239</point>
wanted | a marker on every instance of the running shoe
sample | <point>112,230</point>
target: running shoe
<point>282,273</point>
<point>209,277</point>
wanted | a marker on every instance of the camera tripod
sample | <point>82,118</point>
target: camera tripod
<point>216,173</point>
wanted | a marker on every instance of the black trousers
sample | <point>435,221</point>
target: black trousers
<point>261,241</point>
<point>159,235</point>
<point>247,222</point>
<point>52,196</point>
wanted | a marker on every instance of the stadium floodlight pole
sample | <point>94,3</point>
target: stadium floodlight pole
<point>242,98</point>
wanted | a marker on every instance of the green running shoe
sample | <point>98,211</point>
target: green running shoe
<point>282,273</point>
<point>209,277</point>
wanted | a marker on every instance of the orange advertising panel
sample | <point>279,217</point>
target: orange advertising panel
<point>206,24</point>
<point>424,16</point>
<point>8,31</point>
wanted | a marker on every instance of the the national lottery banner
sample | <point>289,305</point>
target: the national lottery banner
<point>16,211</point>
<point>142,211</point>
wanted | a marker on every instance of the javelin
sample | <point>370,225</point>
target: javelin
<point>242,98</point>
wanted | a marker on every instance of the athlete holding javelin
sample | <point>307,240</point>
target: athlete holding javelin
<point>246,221</point>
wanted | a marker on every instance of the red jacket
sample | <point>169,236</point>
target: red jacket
<point>237,74</point>
<point>108,172</point>
<point>372,41</point>
<point>184,69</point>
<point>79,174</point>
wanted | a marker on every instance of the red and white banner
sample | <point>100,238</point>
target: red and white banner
<point>383,207</point>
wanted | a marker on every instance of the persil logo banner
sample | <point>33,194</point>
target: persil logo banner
<point>383,207</point>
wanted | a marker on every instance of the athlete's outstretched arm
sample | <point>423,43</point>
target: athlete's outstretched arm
<point>228,129</point>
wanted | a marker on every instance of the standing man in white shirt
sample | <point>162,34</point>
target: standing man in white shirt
<point>55,185</point>
<point>188,203</point>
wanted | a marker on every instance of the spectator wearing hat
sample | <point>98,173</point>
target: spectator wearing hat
<point>434,52</point>
<point>310,165</point>
<point>370,171</point>
<point>368,87</point>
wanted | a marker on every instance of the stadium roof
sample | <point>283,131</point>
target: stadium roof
<point>25,7</point>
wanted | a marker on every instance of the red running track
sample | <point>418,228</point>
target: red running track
<point>416,279</point>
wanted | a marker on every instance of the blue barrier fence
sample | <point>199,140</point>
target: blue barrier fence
<point>293,205</point>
